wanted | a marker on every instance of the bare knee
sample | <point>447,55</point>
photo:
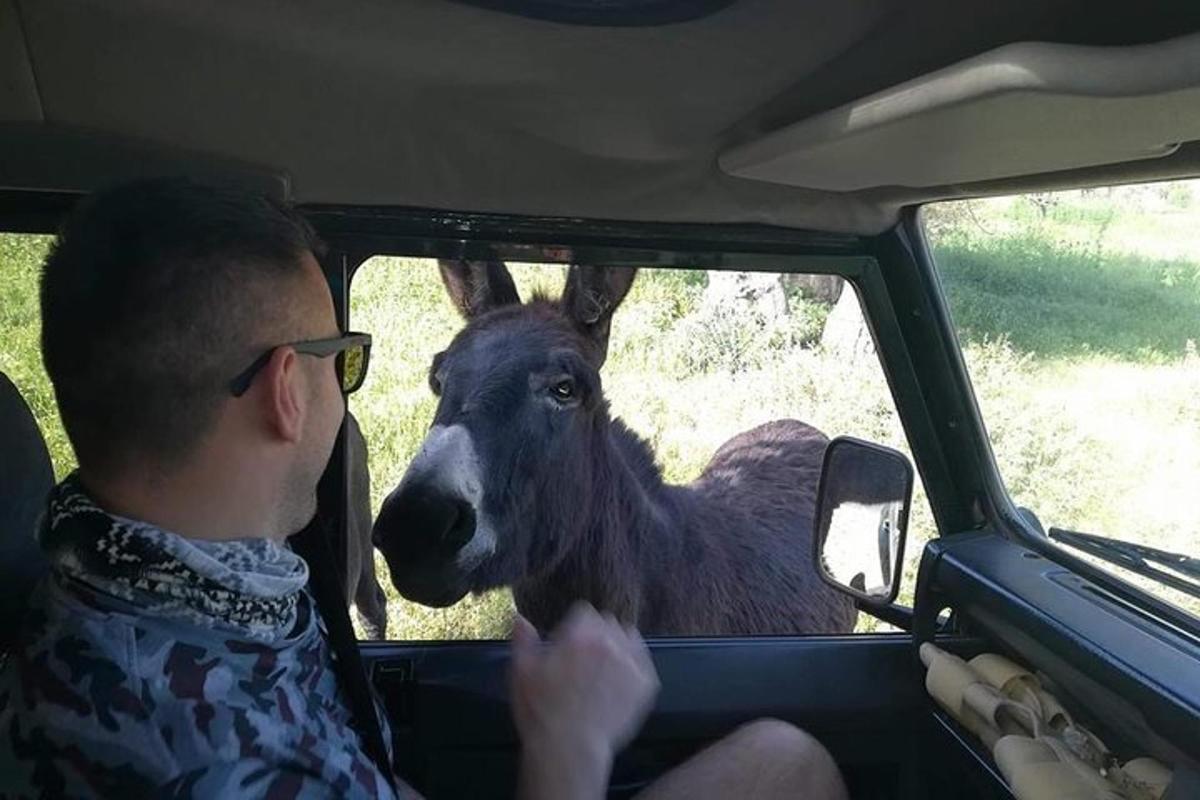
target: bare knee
<point>765,760</point>
<point>795,760</point>
<point>775,738</point>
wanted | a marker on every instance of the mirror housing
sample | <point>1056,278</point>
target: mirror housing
<point>863,500</point>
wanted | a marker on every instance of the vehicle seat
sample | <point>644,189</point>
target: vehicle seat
<point>26,478</point>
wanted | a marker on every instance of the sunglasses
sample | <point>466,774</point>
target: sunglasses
<point>353,353</point>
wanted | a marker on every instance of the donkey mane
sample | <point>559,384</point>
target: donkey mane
<point>636,454</point>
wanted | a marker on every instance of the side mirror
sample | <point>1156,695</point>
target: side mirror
<point>861,519</point>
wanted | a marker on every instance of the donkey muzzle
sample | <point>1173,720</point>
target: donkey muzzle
<point>421,520</point>
<point>431,529</point>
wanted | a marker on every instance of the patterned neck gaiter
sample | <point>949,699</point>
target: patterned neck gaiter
<point>249,585</point>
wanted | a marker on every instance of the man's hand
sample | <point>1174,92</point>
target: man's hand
<point>577,700</point>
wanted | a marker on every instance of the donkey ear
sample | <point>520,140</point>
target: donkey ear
<point>476,287</point>
<point>590,298</point>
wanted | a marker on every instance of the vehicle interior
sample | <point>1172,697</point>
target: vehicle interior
<point>722,134</point>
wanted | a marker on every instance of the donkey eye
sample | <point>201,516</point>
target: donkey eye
<point>563,390</point>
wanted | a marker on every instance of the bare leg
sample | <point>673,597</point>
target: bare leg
<point>765,759</point>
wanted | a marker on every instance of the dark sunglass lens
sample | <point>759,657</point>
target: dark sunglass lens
<point>354,364</point>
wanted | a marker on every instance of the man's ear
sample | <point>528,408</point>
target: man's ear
<point>284,399</point>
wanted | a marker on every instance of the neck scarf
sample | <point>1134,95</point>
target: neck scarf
<point>249,585</point>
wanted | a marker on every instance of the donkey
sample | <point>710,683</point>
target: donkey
<point>362,587</point>
<point>525,479</point>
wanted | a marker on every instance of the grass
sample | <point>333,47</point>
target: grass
<point>20,339</point>
<point>1079,316</point>
<point>1063,303</point>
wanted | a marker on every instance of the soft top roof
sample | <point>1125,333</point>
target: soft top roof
<point>441,104</point>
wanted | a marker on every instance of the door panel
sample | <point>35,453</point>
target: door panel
<point>863,696</point>
<point>1131,677</point>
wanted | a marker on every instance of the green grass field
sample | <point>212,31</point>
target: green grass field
<point>1078,315</point>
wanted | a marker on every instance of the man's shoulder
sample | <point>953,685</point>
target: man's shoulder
<point>87,663</point>
<point>143,703</point>
<point>70,690</point>
<point>70,637</point>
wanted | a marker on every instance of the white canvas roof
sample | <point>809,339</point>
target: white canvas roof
<point>730,117</point>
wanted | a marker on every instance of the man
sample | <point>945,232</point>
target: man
<point>175,651</point>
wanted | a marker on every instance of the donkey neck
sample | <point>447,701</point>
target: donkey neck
<point>633,500</point>
<point>623,538</point>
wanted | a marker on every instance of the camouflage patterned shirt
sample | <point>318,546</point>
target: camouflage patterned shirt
<point>155,670</point>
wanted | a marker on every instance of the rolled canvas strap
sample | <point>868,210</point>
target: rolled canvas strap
<point>1041,751</point>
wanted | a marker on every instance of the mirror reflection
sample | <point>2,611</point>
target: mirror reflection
<point>863,512</point>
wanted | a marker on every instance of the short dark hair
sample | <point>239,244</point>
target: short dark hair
<point>153,295</point>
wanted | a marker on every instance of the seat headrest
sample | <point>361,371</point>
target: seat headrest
<point>26,478</point>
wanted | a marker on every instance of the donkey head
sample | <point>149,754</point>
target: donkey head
<point>503,481</point>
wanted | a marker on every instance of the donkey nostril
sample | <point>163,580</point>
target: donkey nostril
<point>422,521</point>
<point>461,525</point>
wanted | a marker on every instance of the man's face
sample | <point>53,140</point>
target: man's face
<point>313,304</point>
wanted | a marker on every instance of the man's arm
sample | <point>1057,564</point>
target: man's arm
<point>577,699</point>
